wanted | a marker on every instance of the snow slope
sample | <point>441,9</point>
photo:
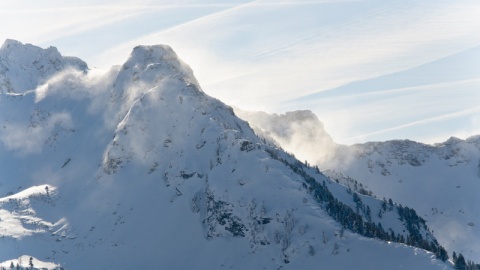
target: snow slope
<point>138,168</point>
<point>441,182</point>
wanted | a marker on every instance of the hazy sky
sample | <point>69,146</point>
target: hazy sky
<point>370,69</point>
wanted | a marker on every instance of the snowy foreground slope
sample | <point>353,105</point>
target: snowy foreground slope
<point>441,182</point>
<point>138,168</point>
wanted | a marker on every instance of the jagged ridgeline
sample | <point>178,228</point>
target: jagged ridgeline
<point>139,168</point>
<point>440,181</point>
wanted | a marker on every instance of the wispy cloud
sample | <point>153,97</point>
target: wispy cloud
<point>252,45</point>
<point>427,113</point>
<point>30,139</point>
<point>44,25</point>
<point>47,22</point>
<point>121,50</point>
<point>440,118</point>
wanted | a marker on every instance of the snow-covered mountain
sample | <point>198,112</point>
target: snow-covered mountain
<point>139,168</point>
<point>441,182</point>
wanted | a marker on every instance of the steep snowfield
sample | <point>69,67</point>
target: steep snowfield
<point>440,181</point>
<point>138,168</point>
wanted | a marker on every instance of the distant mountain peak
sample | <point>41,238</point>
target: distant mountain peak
<point>25,66</point>
<point>10,43</point>
<point>292,131</point>
<point>453,140</point>
<point>306,114</point>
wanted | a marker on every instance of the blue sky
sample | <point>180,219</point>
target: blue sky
<point>370,69</point>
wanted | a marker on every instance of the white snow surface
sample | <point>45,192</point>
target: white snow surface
<point>24,261</point>
<point>138,168</point>
<point>441,181</point>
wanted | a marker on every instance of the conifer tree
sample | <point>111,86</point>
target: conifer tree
<point>460,263</point>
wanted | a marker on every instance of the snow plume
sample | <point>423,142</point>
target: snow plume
<point>298,132</point>
<point>73,84</point>
<point>38,124</point>
<point>30,138</point>
<point>58,84</point>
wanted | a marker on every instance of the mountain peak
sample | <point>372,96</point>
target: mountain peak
<point>161,59</point>
<point>10,43</point>
<point>152,54</point>
<point>453,140</point>
<point>148,67</point>
<point>25,66</point>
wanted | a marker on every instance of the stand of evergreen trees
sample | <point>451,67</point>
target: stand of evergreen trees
<point>354,221</point>
<point>460,263</point>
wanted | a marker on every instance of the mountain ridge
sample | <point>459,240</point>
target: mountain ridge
<point>140,167</point>
<point>439,181</point>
